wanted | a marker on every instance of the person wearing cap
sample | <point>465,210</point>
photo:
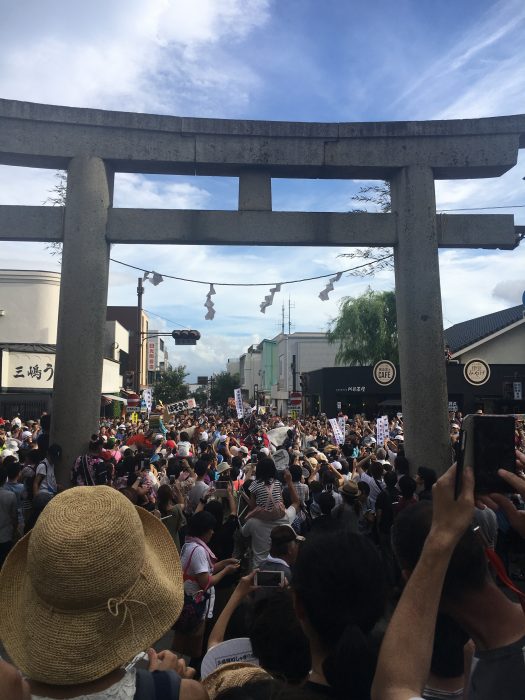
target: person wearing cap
<point>283,551</point>
<point>346,513</point>
<point>78,614</point>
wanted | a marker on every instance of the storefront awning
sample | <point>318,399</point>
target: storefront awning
<point>112,397</point>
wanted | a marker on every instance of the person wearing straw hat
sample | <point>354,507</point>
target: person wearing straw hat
<point>96,582</point>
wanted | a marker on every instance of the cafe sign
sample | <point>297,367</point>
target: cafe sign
<point>476,372</point>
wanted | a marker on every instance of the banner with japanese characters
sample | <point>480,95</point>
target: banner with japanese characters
<point>338,434</point>
<point>27,370</point>
<point>381,430</point>
<point>342,424</point>
<point>238,403</point>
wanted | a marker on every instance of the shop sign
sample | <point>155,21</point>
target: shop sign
<point>517,388</point>
<point>151,356</point>
<point>27,370</point>
<point>476,372</point>
<point>384,373</point>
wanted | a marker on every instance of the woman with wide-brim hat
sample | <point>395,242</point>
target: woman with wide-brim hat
<point>93,584</point>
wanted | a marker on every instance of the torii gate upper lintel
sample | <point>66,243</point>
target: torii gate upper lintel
<point>94,144</point>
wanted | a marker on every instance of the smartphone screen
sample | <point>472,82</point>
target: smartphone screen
<point>269,579</point>
<point>487,444</point>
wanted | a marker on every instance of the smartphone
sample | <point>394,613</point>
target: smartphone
<point>269,579</point>
<point>219,489</point>
<point>486,443</point>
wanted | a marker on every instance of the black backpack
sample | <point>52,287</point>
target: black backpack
<point>159,685</point>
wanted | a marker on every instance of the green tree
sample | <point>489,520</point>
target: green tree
<point>171,385</point>
<point>366,329</point>
<point>200,396</point>
<point>224,384</point>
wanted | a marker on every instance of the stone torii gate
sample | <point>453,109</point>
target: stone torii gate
<point>92,145</point>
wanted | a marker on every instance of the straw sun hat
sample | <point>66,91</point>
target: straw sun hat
<point>94,583</point>
<point>233,675</point>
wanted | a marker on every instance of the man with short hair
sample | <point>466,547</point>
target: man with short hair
<point>45,479</point>
<point>283,551</point>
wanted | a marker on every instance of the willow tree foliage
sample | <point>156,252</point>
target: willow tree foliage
<point>365,329</point>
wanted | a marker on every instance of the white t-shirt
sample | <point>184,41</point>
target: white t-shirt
<point>260,530</point>
<point>375,489</point>
<point>49,482</point>
<point>183,448</point>
<point>200,564</point>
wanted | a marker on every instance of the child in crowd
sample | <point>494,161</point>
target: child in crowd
<point>266,495</point>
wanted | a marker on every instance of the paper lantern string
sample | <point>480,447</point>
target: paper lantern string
<point>209,304</point>
<point>268,299</point>
<point>330,286</point>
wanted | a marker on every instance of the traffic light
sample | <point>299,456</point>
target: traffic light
<point>129,380</point>
<point>185,337</point>
<point>303,379</point>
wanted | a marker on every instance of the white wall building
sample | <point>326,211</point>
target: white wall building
<point>250,371</point>
<point>29,306</point>
<point>29,301</point>
<point>311,351</point>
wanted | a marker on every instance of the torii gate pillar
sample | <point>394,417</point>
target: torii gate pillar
<point>82,307</point>
<point>419,319</point>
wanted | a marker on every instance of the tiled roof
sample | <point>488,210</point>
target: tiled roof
<point>461,335</point>
<point>28,347</point>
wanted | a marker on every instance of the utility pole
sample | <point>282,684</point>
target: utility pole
<point>138,363</point>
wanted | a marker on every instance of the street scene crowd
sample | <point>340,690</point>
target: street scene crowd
<point>199,555</point>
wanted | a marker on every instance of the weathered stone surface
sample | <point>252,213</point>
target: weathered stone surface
<point>420,321</point>
<point>82,310</point>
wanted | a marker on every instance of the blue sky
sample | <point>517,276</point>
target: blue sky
<point>270,59</point>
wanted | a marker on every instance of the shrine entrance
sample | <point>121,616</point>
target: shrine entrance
<point>93,144</point>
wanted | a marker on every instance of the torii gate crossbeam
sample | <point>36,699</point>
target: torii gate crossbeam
<point>94,144</point>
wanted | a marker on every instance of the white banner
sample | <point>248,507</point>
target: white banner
<point>342,425</point>
<point>281,459</point>
<point>238,403</point>
<point>147,396</point>
<point>338,435</point>
<point>381,430</point>
<point>517,391</point>
<point>180,406</point>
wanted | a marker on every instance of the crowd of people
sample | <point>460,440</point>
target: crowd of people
<point>272,561</point>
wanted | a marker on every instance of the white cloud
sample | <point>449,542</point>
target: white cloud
<point>510,291</point>
<point>192,57</point>
<point>479,75</point>
<point>143,193</point>
<point>143,55</point>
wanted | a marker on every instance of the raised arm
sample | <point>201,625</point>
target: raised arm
<point>244,587</point>
<point>413,623</point>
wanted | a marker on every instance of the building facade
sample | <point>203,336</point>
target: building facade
<point>498,339</point>
<point>29,301</point>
